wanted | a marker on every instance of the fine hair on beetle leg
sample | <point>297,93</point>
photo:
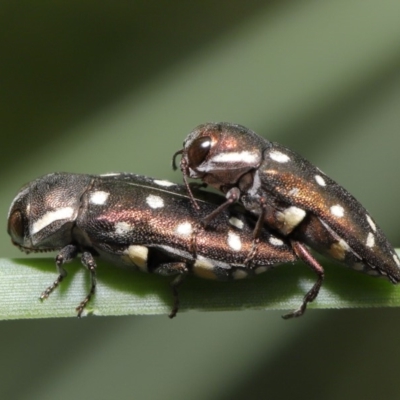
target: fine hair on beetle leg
<point>256,235</point>
<point>88,261</point>
<point>304,254</point>
<point>232,196</point>
<point>67,254</point>
<point>174,286</point>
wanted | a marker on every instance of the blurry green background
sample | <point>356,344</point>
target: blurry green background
<point>88,86</point>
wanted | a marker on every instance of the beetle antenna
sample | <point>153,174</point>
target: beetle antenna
<point>192,199</point>
<point>174,167</point>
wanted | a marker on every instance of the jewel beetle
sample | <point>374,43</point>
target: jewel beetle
<point>140,223</point>
<point>289,195</point>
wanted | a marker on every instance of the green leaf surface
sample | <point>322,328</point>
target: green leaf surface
<point>124,292</point>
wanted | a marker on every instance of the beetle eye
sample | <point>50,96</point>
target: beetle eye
<point>199,150</point>
<point>16,226</point>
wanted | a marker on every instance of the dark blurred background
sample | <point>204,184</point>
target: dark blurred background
<point>95,87</point>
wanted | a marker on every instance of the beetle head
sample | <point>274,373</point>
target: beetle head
<point>221,153</point>
<point>43,213</point>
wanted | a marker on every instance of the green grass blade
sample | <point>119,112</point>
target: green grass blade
<point>124,292</point>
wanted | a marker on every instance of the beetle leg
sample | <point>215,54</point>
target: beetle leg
<point>88,261</point>
<point>256,235</point>
<point>303,253</point>
<point>66,254</point>
<point>232,196</point>
<point>174,268</point>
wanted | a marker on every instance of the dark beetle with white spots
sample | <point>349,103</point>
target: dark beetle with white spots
<point>140,223</point>
<point>289,195</point>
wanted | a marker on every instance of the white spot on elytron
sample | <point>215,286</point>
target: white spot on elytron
<point>290,218</point>
<point>164,183</point>
<point>370,240</point>
<point>138,255</point>
<point>239,274</point>
<point>184,229</point>
<point>246,157</point>
<point>122,228</point>
<point>371,223</point>
<point>236,222</point>
<point>396,260</point>
<point>99,197</point>
<point>320,180</point>
<point>50,217</point>
<point>155,201</point>
<point>294,191</point>
<point>344,245</point>
<point>275,241</point>
<point>278,156</point>
<point>111,174</point>
<point>234,241</point>
<point>260,270</point>
<point>337,211</point>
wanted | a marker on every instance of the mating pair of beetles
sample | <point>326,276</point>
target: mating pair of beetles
<point>277,206</point>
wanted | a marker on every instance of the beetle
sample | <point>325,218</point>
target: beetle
<point>140,223</point>
<point>289,195</point>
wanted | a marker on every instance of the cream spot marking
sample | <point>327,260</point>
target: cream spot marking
<point>358,266</point>
<point>138,255</point>
<point>260,270</point>
<point>234,241</point>
<point>279,156</point>
<point>236,222</point>
<point>294,191</point>
<point>155,201</point>
<point>239,274</point>
<point>371,223</point>
<point>338,250</point>
<point>99,198</point>
<point>320,180</point>
<point>204,268</point>
<point>290,218</point>
<point>122,228</point>
<point>240,156</point>
<point>203,263</point>
<point>337,210</point>
<point>164,183</point>
<point>50,217</point>
<point>396,259</point>
<point>184,229</point>
<point>370,240</point>
<point>275,241</point>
